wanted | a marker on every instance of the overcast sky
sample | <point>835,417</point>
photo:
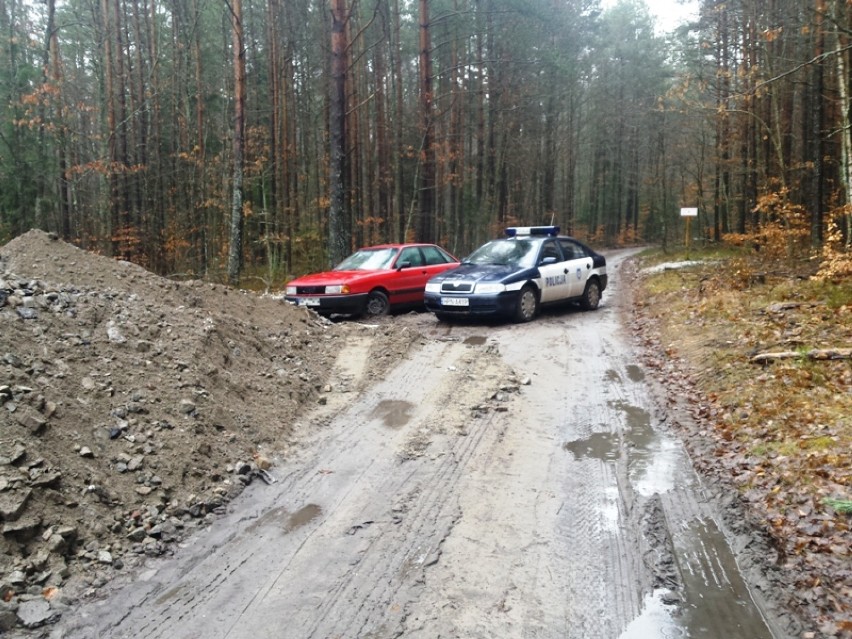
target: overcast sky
<point>671,13</point>
<point>668,13</point>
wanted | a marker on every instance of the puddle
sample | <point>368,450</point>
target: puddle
<point>653,458</point>
<point>302,517</point>
<point>638,421</point>
<point>716,600</point>
<point>475,340</point>
<point>715,603</point>
<point>635,373</point>
<point>602,446</point>
<point>657,470</point>
<point>283,518</point>
<point>656,620</point>
<point>171,594</point>
<point>395,413</point>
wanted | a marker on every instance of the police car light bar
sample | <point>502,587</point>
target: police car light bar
<point>515,231</point>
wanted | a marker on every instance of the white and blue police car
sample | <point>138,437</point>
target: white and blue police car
<point>514,276</point>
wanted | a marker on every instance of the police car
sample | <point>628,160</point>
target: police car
<point>516,275</point>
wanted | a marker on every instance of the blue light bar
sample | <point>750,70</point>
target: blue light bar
<point>515,231</point>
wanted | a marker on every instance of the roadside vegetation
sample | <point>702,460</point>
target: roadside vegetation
<point>760,342</point>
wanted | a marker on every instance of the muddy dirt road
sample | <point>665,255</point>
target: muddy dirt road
<point>503,481</point>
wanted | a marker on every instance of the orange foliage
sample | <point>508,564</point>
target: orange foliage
<point>836,256</point>
<point>372,226</point>
<point>128,241</point>
<point>627,236</point>
<point>783,230</point>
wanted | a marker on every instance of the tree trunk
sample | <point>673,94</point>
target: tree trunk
<point>399,171</point>
<point>426,218</point>
<point>338,240</point>
<point>821,354</point>
<point>815,106</point>
<point>235,250</point>
<point>845,109</point>
<point>63,183</point>
<point>127,233</point>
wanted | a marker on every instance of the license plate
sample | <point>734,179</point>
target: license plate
<point>309,301</point>
<point>455,301</point>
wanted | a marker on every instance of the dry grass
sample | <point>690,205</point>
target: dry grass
<point>717,315</point>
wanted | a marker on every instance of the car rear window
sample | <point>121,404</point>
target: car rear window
<point>434,255</point>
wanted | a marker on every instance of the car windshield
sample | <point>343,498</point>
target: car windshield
<point>518,253</point>
<point>368,260</point>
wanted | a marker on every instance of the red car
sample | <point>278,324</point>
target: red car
<point>372,281</point>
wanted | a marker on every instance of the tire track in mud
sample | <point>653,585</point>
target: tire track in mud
<point>408,513</point>
<point>342,545</point>
<point>625,547</point>
<point>427,518</point>
<point>604,571</point>
<point>541,528</point>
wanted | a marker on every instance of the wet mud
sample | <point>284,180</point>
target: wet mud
<point>453,499</point>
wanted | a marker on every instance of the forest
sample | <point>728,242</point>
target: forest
<point>259,139</point>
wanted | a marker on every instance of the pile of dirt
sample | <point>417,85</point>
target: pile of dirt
<point>132,410</point>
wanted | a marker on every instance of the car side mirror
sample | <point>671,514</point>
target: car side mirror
<point>403,265</point>
<point>548,260</point>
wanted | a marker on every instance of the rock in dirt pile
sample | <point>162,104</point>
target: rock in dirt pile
<point>132,409</point>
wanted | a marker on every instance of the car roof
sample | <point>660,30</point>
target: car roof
<point>387,246</point>
<point>539,238</point>
<point>534,233</point>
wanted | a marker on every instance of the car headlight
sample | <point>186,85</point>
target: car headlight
<point>433,287</point>
<point>489,288</point>
<point>337,289</point>
<point>291,290</point>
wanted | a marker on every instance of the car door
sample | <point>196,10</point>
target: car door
<point>578,264</point>
<point>554,272</point>
<point>411,276</point>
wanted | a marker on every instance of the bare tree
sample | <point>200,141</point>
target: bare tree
<point>426,196</point>
<point>235,250</point>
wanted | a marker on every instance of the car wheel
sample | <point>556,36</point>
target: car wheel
<point>377,304</point>
<point>527,305</point>
<point>592,295</point>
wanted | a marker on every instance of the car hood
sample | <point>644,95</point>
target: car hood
<point>481,272</point>
<point>332,277</point>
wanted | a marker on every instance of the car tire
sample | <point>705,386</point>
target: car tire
<point>377,304</point>
<point>526,307</point>
<point>592,295</point>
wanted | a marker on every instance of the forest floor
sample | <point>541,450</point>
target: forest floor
<point>134,408</point>
<point>758,352</point>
